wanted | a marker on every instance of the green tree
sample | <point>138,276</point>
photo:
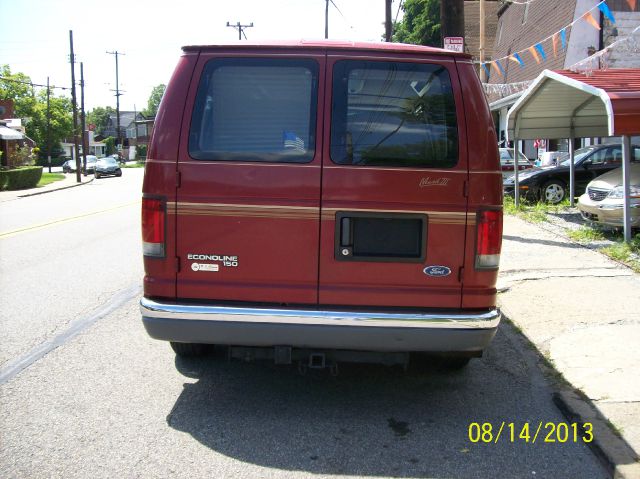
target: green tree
<point>60,121</point>
<point>32,108</point>
<point>154,100</point>
<point>100,117</point>
<point>420,24</point>
<point>16,87</point>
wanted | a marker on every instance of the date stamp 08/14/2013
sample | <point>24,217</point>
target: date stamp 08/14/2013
<point>547,432</point>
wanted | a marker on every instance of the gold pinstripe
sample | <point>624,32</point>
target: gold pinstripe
<point>303,212</point>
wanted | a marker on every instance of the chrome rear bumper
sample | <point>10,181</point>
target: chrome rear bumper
<point>370,331</point>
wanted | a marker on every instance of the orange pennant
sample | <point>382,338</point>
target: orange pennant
<point>555,44</point>
<point>589,18</point>
<point>514,59</point>
<point>493,64</point>
<point>632,5</point>
<point>534,53</point>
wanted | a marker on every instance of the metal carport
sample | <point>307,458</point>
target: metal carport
<point>566,104</point>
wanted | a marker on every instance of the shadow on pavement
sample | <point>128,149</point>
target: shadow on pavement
<point>375,420</point>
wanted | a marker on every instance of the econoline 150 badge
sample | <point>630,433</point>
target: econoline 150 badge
<point>437,271</point>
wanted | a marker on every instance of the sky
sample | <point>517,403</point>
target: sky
<point>34,36</point>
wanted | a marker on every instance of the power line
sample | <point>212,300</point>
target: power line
<point>395,20</point>
<point>32,84</point>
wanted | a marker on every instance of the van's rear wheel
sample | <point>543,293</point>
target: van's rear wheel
<point>189,350</point>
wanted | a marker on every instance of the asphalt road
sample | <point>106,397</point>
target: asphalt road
<point>85,393</point>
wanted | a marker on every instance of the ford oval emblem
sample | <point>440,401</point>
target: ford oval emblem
<point>437,271</point>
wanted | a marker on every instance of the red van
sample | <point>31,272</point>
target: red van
<point>323,201</point>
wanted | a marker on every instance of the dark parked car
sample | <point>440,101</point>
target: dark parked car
<point>551,184</point>
<point>107,167</point>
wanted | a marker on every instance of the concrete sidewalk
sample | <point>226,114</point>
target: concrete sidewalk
<point>582,312</point>
<point>69,182</point>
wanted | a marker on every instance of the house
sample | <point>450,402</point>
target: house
<point>126,119</point>
<point>97,148</point>
<point>12,137</point>
<point>135,131</point>
<point>547,34</point>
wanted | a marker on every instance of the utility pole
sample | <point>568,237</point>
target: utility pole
<point>452,18</point>
<point>482,38</point>
<point>82,121</point>
<point>48,126</point>
<point>387,21</point>
<point>240,29</point>
<point>135,124</point>
<point>326,21</point>
<point>75,107</point>
<point>118,94</point>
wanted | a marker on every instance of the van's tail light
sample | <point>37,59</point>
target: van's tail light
<point>153,226</point>
<point>488,239</point>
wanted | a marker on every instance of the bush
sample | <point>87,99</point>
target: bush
<point>110,145</point>
<point>141,152</point>
<point>21,156</point>
<point>20,178</point>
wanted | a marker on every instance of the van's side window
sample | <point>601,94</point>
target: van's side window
<point>393,114</point>
<point>250,109</point>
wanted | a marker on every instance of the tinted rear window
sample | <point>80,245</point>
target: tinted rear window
<point>393,114</point>
<point>254,109</point>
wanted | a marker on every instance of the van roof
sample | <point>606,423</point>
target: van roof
<point>329,44</point>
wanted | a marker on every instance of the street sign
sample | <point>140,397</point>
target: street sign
<point>455,44</point>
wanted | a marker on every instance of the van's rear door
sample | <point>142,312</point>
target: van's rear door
<point>395,171</point>
<point>248,199</point>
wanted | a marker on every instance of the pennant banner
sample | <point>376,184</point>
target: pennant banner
<point>498,67</point>
<point>604,8</point>
<point>632,5</point>
<point>541,51</point>
<point>516,58</point>
<point>563,37</point>
<point>555,39</point>
<point>486,70</point>
<point>534,53</point>
<point>589,18</point>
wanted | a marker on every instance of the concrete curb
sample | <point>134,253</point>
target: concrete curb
<point>36,193</point>
<point>619,458</point>
<point>39,191</point>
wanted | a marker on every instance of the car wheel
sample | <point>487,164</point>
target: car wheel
<point>189,350</point>
<point>553,192</point>
<point>96,175</point>
<point>119,173</point>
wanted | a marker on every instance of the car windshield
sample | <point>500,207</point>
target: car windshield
<point>579,155</point>
<point>108,161</point>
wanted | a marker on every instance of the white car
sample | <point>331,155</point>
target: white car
<point>603,201</point>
